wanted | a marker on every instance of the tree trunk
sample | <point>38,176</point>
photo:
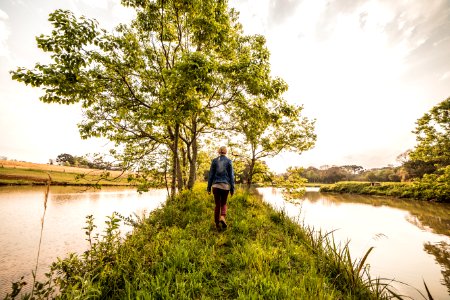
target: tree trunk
<point>193,165</point>
<point>174,160</point>
<point>179,175</point>
<point>250,172</point>
<point>165,176</point>
<point>251,168</point>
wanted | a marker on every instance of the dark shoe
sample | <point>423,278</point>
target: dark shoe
<point>223,223</point>
<point>218,227</point>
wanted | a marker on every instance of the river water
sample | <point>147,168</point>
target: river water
<point>411,238</point>
<point>21,210</point>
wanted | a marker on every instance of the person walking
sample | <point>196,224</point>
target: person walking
<point>221,181</point>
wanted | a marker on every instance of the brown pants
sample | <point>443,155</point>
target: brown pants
<point>220,197</point>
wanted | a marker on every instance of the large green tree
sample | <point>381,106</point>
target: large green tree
<point>155,85</point>
<point>433,137</point>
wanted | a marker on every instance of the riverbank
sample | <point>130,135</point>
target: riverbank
<point>176,253</point>
<point>425,189</point>
<point>26,173</point>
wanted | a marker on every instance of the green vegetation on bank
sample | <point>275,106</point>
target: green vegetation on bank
<point>176,253</point>
<point>432,187</point>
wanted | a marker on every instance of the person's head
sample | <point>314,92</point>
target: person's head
<point>222,150</point>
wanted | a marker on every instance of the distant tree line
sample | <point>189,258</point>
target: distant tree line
<point>332,174</point>
<point>426,168</point>
<point>96,162</point>
<point>429,161</point>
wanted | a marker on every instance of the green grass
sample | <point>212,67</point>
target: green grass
<point>20,176</point>
<point>429,189</point>
<point>176,253</point>
<point>316,184</point>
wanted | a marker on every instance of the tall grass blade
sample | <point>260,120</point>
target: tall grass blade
<point>47,190</point>
<point>428,291</point>
<point>361,263</point>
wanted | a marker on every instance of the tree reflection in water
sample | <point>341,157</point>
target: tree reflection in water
<point>430,216</point>
<point>441,252</point>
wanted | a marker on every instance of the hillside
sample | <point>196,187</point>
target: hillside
<point>27,173</point>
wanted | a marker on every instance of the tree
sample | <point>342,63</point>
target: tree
<point>312,174</point>
<point>334,174</point>
<point>292,183</point>
<point>65,158</point>
<point>155,86</point>
<point>353,169</point>
<point>269,125</point>
<point>433,136</point>
<point>417,168</point>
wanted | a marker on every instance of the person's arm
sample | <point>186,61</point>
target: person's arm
<point>212,171</point>
<point>231,172</point>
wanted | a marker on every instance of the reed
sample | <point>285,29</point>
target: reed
<point>47,190</point>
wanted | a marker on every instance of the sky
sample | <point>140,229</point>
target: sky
<point>365,70</point>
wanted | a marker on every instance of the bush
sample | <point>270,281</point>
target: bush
<point>432,187</point>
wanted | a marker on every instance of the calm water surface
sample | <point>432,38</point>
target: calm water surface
<point>411,238</point>
<point>21,210</point>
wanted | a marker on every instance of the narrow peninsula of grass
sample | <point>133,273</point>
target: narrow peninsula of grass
<point>176,253</point>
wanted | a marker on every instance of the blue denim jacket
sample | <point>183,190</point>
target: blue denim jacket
<point>221,171</point>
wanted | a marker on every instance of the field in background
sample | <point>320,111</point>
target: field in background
<point>22,173</point>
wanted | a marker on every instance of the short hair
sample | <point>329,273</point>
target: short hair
<point>222,150</point>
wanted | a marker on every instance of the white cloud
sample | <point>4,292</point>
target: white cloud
<point>445,76</point>
<point>122,14</point>
<point>3,15</point>
<point>18,2</point>
<point>102,4</point>
<point>4,34</point>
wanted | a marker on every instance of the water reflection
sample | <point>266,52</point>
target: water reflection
<point>430,216</point>
<point>21,209</point>
<point>441,251</point>
<point>407,235</point>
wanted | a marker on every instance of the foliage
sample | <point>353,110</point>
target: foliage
<point>367,188</point>
<point>95,161</point>
<point>432,187</point>
<point>441,251</point>
<point>177,253</point>
<point>261,172</point>
<point>335,174</point>
<point>155,87</point>
<point>268,126</point>
<point>433,136</point>
<point>433,144</point>
<point>418,168</point>
<point>64,158</point>
<point>292,183</point>
<point>386,174</point>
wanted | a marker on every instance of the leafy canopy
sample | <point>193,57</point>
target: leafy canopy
<point>180,71</point>
<point>433,136</point>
